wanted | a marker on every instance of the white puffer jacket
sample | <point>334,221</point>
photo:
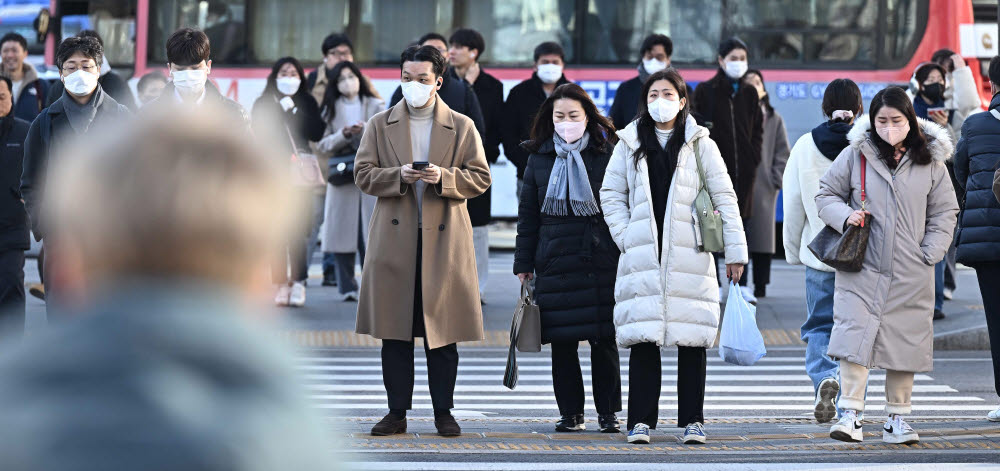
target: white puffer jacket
<point>673,301</point>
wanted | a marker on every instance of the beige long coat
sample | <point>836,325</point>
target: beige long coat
<point>452,311</point>
<point>882,315</point>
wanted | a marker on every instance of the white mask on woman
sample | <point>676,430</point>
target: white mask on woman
<point>736,69</point>
<point>288,86</point>
<point>80,83</point>
<point>663,110</point>
<point>893,134</point>
<point>349,86</point>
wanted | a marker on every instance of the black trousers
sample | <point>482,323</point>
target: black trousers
<point>761,269</point>
<point>605,373</point>
<point>397,361</point>
<point>644,377</point>
<point>989,286</point>
<point>12,292</point>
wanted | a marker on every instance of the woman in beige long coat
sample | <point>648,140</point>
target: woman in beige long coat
<point>347,105</point>
<point>420,277</point>
<point>882,314</point>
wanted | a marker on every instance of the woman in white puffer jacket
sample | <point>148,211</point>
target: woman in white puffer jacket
<point>667,294</point>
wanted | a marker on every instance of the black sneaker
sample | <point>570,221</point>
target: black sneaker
<point>938,314</point>
<point>329,281</point>
<point>760,291</point>
<point>570,423</point>
<point>447,426</point>
<point>391,424</point>
<point>608,423</point>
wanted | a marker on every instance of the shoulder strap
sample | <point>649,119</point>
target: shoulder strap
<point>864,167</point>
<point>996,113</point>
<point>697,161</point>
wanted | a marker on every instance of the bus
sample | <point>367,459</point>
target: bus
<point>800,45</point>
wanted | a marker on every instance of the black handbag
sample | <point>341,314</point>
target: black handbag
<point>845,252</point>
<point>341,170</point>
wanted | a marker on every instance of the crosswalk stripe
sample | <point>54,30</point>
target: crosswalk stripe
<point>548,378</point>
<point>522,368</point>
<point>551,398</point>
<point>537,358</point>
<point>496,388</point>
<point>868,408</point>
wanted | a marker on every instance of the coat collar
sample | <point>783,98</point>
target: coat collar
<point>397,132</point>
<point>692,131</point>
<point>938,139</point>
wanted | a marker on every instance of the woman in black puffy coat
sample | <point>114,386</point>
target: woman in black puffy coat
<point>564,244</point>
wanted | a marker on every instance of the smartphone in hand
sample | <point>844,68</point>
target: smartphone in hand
<point>420,165</point>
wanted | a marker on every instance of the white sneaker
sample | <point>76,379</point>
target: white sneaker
<point>349,296</point>
<point>748,295</point>
<point>825,408</point>
<point>897,431</point>
<point>281,299</point>
<point>297,298</point>
<point>694,434</point>
<point>994,416</point>
<point>639,434</point>
<point>848,428</point>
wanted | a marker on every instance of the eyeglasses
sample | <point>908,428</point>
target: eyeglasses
<point>87,68</point>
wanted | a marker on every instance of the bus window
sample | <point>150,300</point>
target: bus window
<point>113,20</point>
<point>294,28</point>
<point>513,28</point>
<point>901,30</point>
<point>614,30</point>
<point>222,20</point>
<point>19,18</point>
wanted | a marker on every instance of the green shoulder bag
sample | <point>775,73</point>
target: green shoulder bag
<point>706,218</point>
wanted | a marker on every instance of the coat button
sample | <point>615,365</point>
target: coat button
<point>441,227</point>
<point>395,222</point>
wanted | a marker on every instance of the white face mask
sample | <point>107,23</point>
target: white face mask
<point>663,110</point>
<point>736,69</point>
<point>416,93</point>
<point>349,86</point>
<point>653,66</point>
<point>189,82</point>
<point>288,85</point>
<point>80,83</point>
<point>550,73</point>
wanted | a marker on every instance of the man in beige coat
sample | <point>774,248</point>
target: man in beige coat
<point>423,161</point>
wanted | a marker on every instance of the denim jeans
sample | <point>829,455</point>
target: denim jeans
<point>816,330</point>
<point>939,284</point>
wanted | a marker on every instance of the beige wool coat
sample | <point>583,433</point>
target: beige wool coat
<point>882,315</point>
<point>452,312</point>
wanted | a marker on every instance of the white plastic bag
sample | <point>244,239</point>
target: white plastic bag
<point>740,342</point>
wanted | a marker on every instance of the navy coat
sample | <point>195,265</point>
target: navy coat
<point>977,157</point>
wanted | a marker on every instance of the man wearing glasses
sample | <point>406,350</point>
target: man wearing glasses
<point>83,107</point>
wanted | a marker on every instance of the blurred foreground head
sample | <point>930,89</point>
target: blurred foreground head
<point>170,195</point>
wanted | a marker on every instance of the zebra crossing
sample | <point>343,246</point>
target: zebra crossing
<point>348,383</point>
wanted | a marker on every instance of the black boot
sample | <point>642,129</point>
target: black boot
<point>570,423</point>
<point>608,423</point>
<point>391,424</point>
<point>760,291</point>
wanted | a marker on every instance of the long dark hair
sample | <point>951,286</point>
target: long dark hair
<point>600,128</point>
<point>271,88</point>
<point>328,108</point>
<point>646,126</point>
<point>915,142</point>
<point>766,101</point>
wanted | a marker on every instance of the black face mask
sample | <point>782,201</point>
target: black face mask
<point>933,92</point>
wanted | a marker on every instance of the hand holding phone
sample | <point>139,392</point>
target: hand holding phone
<point>420,165</point>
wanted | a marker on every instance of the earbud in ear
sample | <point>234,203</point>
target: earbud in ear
<point>473,54</point>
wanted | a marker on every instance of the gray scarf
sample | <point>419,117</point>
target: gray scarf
<point>569,177</point>
<point>81,116</point>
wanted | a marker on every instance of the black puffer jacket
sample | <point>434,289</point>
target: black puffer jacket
<point>574,258</point>
<point>13,218</point>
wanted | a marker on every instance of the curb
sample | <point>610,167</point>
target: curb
<point>970,338</point>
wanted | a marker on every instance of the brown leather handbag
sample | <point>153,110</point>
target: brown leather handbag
<point>845,252</point>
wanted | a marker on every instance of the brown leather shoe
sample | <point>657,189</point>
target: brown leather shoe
<point>446,426</point>
<point>391,424</point>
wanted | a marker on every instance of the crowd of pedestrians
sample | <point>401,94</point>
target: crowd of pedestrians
<point>606,232</point>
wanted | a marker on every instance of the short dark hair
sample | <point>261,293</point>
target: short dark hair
<point>432,35</point>
<point>469,38</point>
<point>335,40</point>
<point>424,54</point>
<point>654,40</point>
<point>549,48</point>
<point>89,33</point>
<point>87,46</point>
<point>153,76</point>
<point>12,36</point>
<point>10,85</point>
<point>942,55</point>
<point>728,45</point>
<point>188,46</point>
<point>923,70</point>
<point>842,94</point>
<point>994,71</point>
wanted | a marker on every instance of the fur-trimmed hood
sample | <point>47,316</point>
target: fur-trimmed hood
<point>938,138</point>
